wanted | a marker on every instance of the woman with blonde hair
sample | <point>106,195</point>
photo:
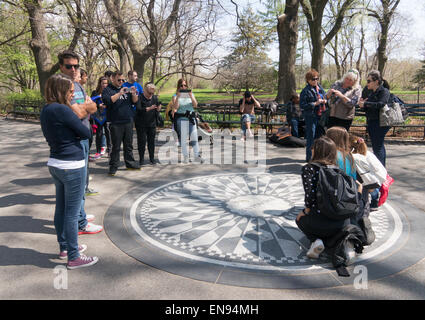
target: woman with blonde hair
<point>345,160</point>
<point>63,131</point>
<point>342,98</point>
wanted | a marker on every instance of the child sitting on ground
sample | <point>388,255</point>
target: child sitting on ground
<point>372,172</point>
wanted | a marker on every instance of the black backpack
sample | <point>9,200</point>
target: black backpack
<point>336,194</point>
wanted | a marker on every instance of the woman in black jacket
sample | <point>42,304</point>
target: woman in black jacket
<point>376,100</point>
<point>314,224</point>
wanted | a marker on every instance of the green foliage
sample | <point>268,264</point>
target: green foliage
<point>419,77</point>
<point>27,94</point>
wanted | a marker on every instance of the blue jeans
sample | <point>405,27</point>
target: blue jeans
<point>294,127</point>
<point>187,130</point>
<point>69,190</point>
<point>311,126</point>
<point>377,136</point>
<point>82,217</point>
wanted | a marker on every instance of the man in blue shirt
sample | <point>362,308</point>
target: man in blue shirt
<point>119,101</point>
<point>132,82</point>
<point>82,106</point>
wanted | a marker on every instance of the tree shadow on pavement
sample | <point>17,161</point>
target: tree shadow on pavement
<point>25,224</point>
<point>22,256</point>
<point>25,199</point>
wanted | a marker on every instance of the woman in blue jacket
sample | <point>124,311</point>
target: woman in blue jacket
<point>63,131</point>
<point>312,104</point>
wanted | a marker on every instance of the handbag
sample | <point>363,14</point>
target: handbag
<point>391,115</point>
<point>159,120</point>
<point>324,118</point>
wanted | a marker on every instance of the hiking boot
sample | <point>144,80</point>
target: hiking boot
<point>64,254</point>
<point>91,228</point>
<point>81,262</point>
<point>316,249</point>
<point>366,227</point>
<point>134,168</point>
<point>91,192</point>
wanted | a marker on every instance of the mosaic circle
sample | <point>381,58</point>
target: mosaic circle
<point>240,220</point>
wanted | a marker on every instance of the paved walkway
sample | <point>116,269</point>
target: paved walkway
<point>28,247</point>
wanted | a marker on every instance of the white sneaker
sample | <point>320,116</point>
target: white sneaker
<point>199,159</point>
<point>90,217</point>
<point>185,160</point>
<point>316,249</point>
<point>91,228</point>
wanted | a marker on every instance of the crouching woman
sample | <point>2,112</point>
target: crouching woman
<point>315,225</point>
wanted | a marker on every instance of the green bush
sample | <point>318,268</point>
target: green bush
<point>27,94</point>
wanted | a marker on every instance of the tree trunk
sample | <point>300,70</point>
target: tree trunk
<point>287,29</point>
<point>142,55</point>
<point>39,43</point>
<point>384,20</point>
<point>314,10</point>
<point>382,47</point>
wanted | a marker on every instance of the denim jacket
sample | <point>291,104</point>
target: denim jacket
<point>308,98</point>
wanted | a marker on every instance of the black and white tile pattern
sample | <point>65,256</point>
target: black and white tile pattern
<point>239,220</point>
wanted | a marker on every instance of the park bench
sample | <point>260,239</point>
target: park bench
<point>228,115</point>
<point>26,109</point>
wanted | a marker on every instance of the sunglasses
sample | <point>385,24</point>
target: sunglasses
<point>369,81</point>
<point>70,66</point>
<point>121,80</point>
<point>315,79</point>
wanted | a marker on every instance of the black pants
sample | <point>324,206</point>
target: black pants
<point>315,226</point>
<point>146,134</point>
<point>122,133</point>
<point>336,122</point>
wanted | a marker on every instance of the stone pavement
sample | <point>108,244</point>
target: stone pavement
<point>203,258</point>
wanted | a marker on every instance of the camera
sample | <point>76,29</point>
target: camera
<point>185,90</point>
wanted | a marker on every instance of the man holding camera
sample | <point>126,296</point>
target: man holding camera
<point>247,108</point>
<point>119,101</point>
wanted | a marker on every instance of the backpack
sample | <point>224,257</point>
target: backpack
<point>336,193</point>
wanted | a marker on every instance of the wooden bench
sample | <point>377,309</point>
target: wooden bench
<point>223,114</point>
<point>26,109</point>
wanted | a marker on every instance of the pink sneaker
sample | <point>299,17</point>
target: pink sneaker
<point>91,228</point>
<point>95,157</point>
<point>64,254</point>
<point>82,261</point>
